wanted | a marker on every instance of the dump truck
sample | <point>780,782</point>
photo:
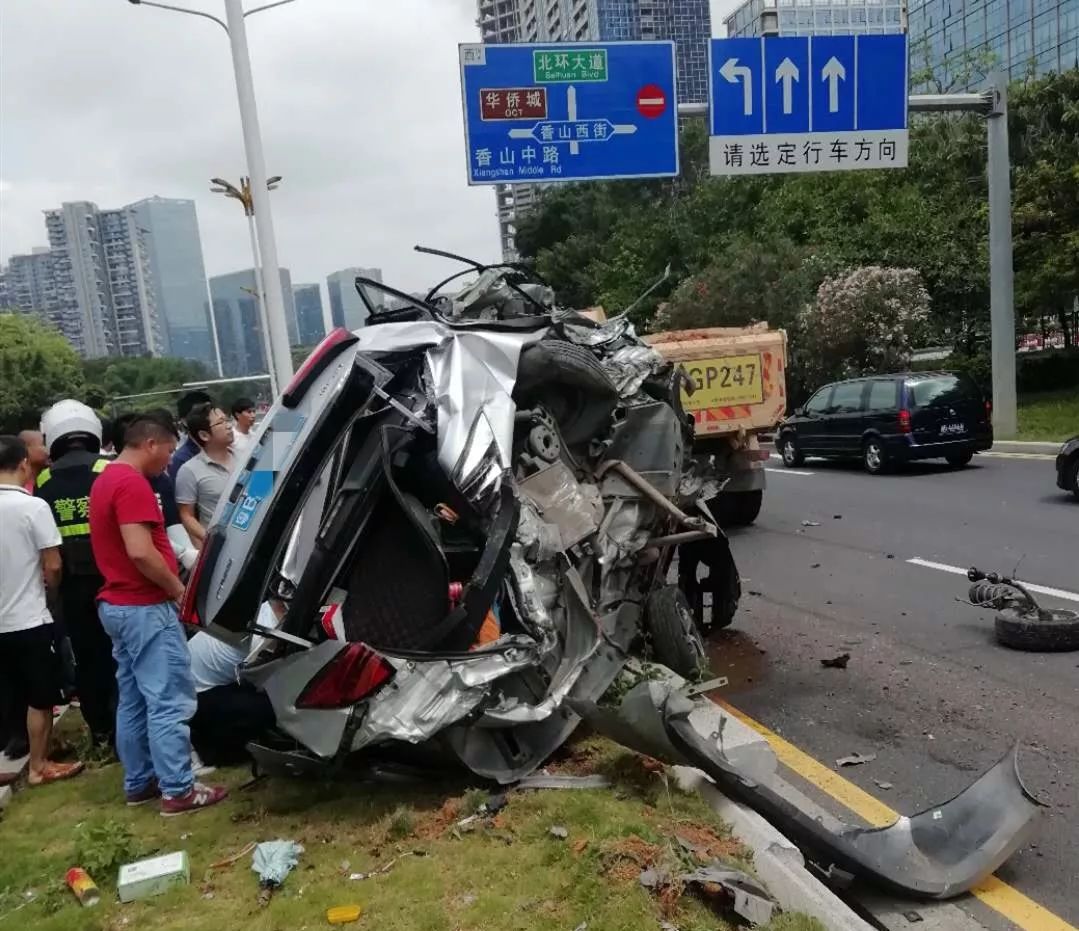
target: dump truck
<point>736,390</point>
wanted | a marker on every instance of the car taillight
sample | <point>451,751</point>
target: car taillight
<point>904,421</point>
<point>352,675</point>
<point>989,412</point>
<point>314,365</point>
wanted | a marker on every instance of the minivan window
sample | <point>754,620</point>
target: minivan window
<point>882,396</point>
<point>819,402</point>
<point>940,389</point>
<point>848,397</point>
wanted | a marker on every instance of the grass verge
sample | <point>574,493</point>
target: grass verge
<point>1051,416</point>
<point>510,872</point>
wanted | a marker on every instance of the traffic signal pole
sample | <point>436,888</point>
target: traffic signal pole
<point>993,104</point>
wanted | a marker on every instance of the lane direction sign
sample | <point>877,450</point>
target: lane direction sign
<point>808,103</point>
<point>569,111</point>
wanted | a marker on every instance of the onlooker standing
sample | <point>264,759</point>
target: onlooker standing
<point>243,420</point>
<point>73,433</point>
<point>203,479</point>
<point>157,694</point>
<point>38,455</point>
<point>29,559</point>
<point>190,448</point>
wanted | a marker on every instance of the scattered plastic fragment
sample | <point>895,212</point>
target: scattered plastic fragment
<point>883,785</point>
<point>836,662</point>
<point>558,831</point>
<point>750,899</point>
<point>856,759</point>
<point>811,523</point>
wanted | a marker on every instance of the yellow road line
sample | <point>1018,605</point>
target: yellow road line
<point>999,896</point>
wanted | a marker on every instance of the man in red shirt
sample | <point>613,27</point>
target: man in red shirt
<point>137,609</point>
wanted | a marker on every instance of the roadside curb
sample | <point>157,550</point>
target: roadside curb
<point>1025,446</point>
<point>776,860</point>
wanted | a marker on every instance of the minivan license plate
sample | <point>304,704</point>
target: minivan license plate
<point>951,429</point>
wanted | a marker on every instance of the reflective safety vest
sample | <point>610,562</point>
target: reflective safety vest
<point>65,487</point>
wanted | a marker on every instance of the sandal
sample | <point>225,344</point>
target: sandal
<point>55,772</point>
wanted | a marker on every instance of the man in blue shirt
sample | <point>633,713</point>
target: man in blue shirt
<point>189,449</point>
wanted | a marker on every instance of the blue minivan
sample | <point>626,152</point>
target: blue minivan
<point>885,420</point>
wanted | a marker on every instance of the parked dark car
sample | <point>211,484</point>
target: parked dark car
<point>889,419</point>
<point>1068,466</point>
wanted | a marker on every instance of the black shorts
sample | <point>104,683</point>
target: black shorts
<point>29,661</point>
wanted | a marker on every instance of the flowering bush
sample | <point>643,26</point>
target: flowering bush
<point>863,322</point>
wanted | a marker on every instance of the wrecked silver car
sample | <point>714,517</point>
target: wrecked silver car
<point>462,524</point>
<point>453,521</point>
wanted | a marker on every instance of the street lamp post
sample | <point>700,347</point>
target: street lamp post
<point>280,357</point>
<point>243,195</point>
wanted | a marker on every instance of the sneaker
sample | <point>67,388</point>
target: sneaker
<point>149,793</point>
<point>199,768</point>
<point>197,798</point>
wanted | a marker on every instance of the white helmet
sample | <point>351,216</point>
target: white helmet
<point>69,417</point>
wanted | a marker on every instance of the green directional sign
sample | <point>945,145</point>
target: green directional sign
<point>576,65</point>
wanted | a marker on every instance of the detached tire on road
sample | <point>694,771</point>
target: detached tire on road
<point>1027,631</point>
<point>676,642</point>
<point>739,508</point>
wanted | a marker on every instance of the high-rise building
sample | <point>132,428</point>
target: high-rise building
<point>687,22</point>
<point>816,17</point>
<point>171,231</point>
<point>347,308</point>
<point>239,326</point>
<point>1020,37</point>
<point>308,301</point>
<point>30,285</point>
<point>104,295</point>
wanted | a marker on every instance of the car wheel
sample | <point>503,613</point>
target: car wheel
<point>874,458</point>
<point>676,641</point>
<point>1057,633</point>
<point>739,508</point>
<point>958,460</point>
<point>791,452</point>
<point>1073,477</point>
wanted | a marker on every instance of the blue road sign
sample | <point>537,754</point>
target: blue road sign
<point>569,111</point>
<point>808,103</point>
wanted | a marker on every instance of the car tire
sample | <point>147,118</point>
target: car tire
<point>676,641</point>
<point>791,452</point>
<point>739,508</point>
<point>958,460</point>
<point>874,458</point>
<point>1019,630</point>
<point>1072,477</point>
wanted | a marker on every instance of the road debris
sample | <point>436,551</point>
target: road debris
<point>555,781</point>
<point>228,861</point>
<point>881,784</point>
<point>913,916</point>
<point>811,523</point>
<point>746,896</point>
<point>836,662</point>
<point>856,759</point>
<point>815,565</point>
<point>558,831</point>
<point>385,868</point>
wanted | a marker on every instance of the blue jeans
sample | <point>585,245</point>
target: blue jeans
<point>157,696</point>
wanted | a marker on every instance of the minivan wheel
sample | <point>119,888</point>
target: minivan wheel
<point>959,459</point>
<point>1072,474</point>
<point>873,457</point>
<point>792,455</point>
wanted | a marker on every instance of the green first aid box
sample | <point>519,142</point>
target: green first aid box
<point>147,878</point>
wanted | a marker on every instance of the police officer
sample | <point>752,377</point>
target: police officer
<point>73,437</point>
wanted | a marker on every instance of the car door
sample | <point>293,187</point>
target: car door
<point>812,425</point>
<point>846,417</point>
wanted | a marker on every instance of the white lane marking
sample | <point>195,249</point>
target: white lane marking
<point>787,471</point>
<point>1044,457</point>
<point>956,570</point>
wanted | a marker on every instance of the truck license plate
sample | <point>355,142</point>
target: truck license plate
<point>724,382</point>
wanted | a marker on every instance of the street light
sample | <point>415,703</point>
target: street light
<point>242,194</point>
<point>280,358</point>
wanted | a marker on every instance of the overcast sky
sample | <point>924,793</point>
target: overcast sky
<point>359,102</point>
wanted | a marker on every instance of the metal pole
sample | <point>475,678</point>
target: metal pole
<point>1001,272</point>
<point>280,360</point>
<point>260,296</point>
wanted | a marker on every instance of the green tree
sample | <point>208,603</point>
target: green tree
<point>37,367</point>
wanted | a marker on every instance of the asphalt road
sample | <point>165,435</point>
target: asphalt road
<point>927,688</point>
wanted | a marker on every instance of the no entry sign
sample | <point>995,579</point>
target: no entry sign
<point>651,101</point>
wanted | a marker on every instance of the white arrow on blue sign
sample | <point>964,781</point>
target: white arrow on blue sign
<point>808,103</point>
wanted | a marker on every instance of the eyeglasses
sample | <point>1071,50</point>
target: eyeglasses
<point>219,423</point>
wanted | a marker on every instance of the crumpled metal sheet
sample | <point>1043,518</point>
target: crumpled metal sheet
<point>574,508</point>
<point>473,374</point>
<point>585,332</point>
<point>629,367</point>
<point>427,697</point>
<point>624,531</point>
<point>936,854</point>
<point>627,360</point>
<point>749,898</point>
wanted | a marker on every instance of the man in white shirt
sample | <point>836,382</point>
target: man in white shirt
<point>29,559</point>
<point>243,425</point>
